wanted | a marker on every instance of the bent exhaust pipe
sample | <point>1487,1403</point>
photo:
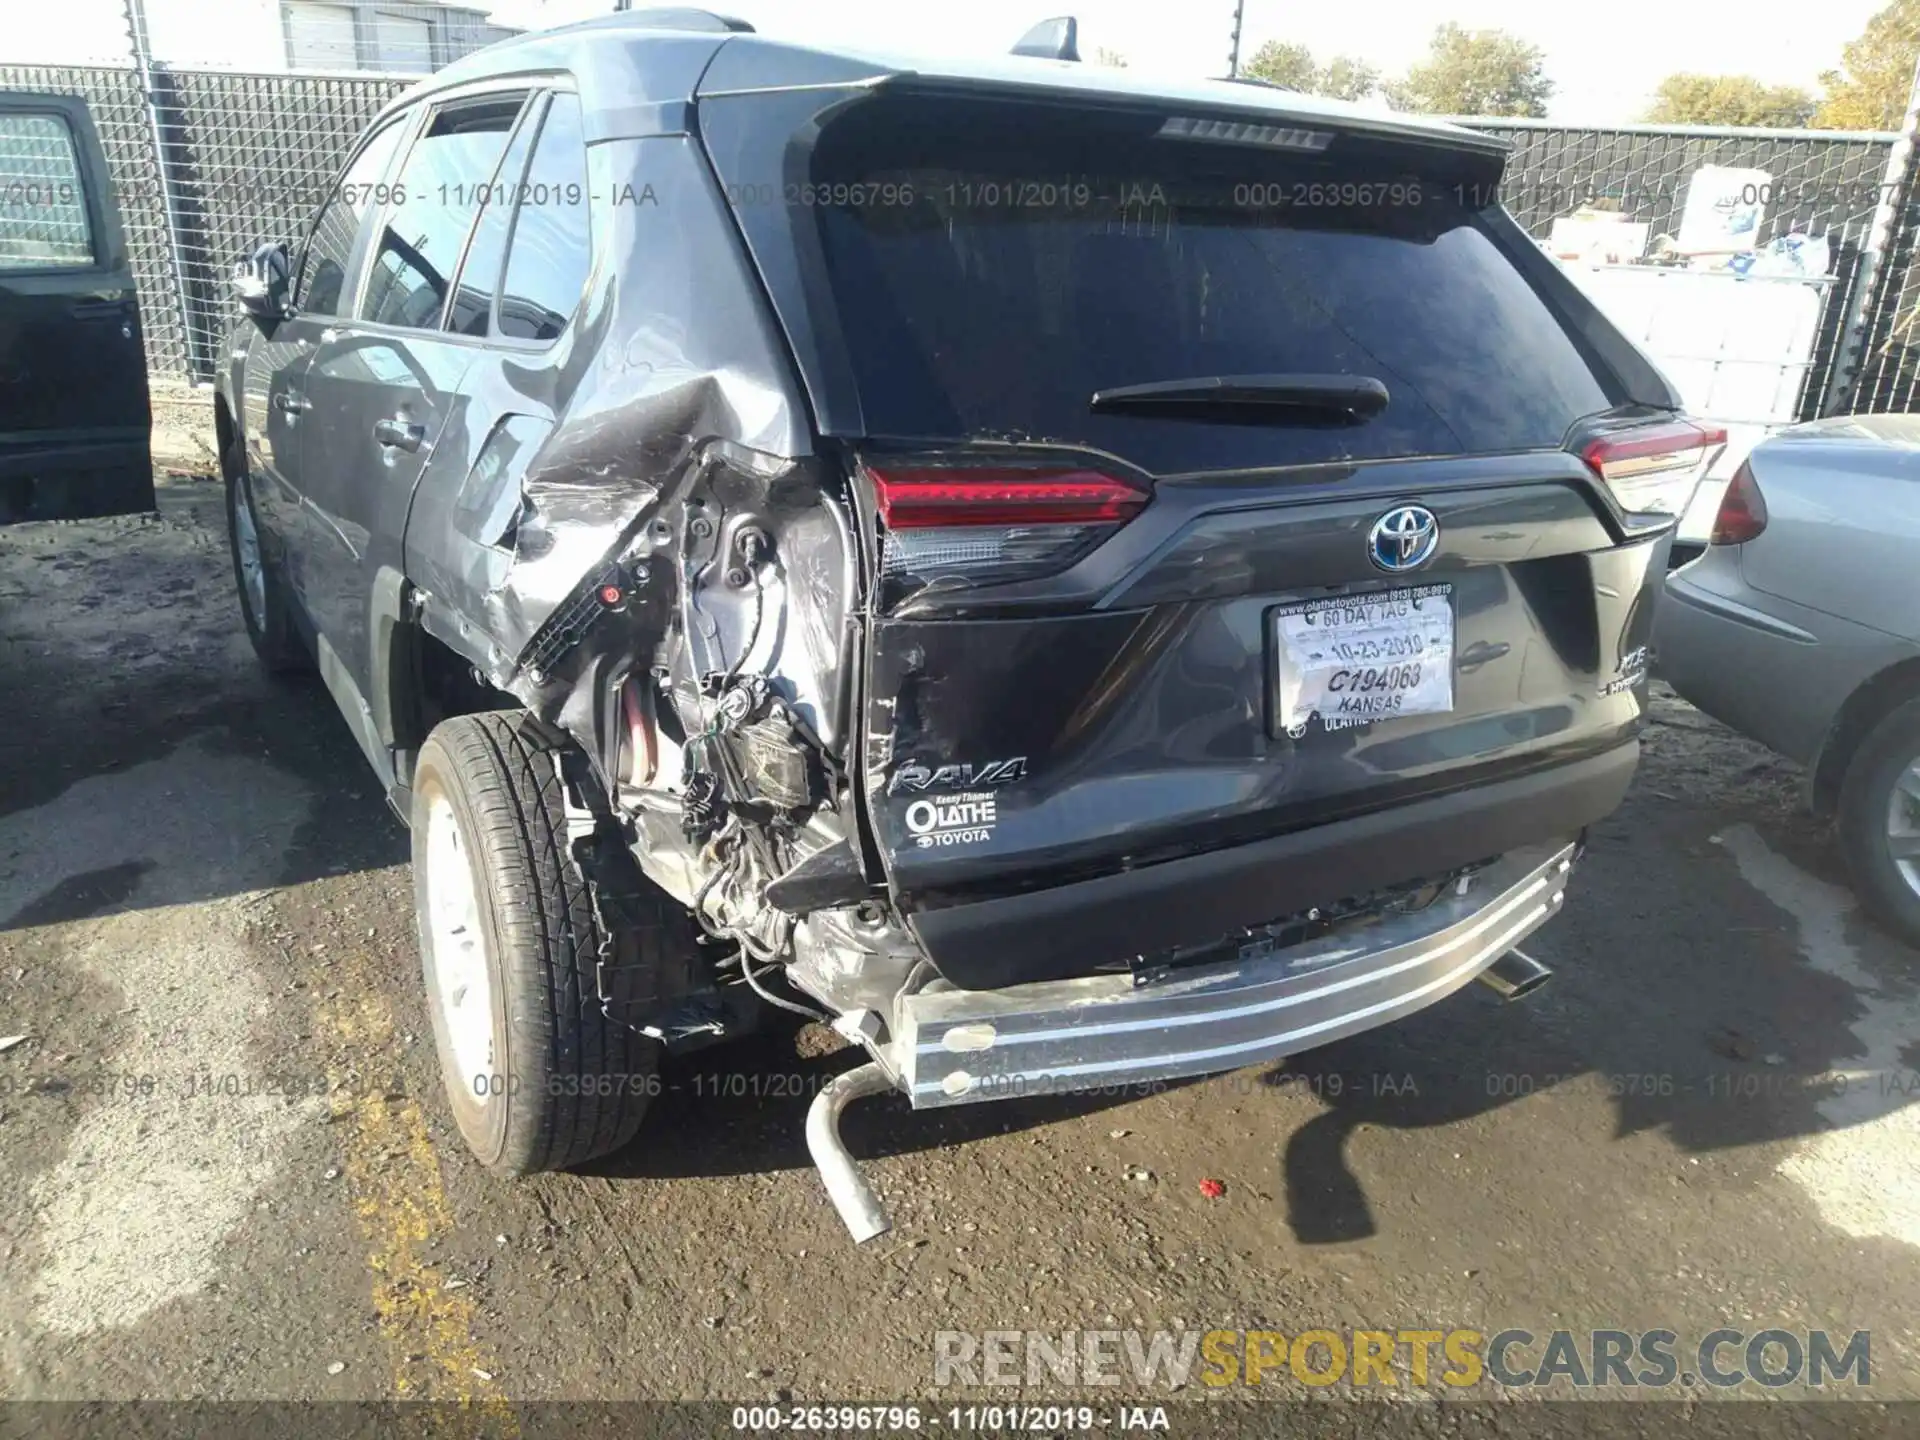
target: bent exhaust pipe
<point>1515,974</point>
<point>860,1209</point>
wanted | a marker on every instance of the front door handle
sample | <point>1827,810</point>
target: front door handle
<point>288,403</point>
<point>399,434</point>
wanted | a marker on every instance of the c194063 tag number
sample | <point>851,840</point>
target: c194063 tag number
<point>1352,659</point>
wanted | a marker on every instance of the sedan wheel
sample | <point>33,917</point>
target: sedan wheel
<point>1880,820</point>
<point>1903,825</point>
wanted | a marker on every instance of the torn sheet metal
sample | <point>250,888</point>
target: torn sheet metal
<point>569,454</point>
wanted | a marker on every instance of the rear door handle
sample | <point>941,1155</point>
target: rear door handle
<point>399,434</point>
<point>287,403</point>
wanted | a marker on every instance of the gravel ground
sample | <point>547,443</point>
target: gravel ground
<point>228,1171</point>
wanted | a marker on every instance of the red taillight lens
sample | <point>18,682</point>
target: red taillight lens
<point>917,499</point>
<point>1655,468</point>
<point>1743,510</point>
<point>992,524</point>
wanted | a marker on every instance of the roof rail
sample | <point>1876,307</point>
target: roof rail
<point>687,18</point>
<point>1055,39</point>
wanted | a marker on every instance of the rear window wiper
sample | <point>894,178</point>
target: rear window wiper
<point>1251,399</point>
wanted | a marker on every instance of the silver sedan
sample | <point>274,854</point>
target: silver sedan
<point>1800,627</point>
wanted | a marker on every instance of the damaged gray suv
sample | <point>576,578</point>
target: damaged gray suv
<point>1078,580</point>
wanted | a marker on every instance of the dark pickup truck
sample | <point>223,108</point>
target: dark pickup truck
<point>74,421</point>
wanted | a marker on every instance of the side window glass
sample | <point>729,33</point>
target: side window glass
<point>323,273</point>
<point>435,200</point>
<point>480,273</point>
<point>43,203</point>
<point>550,254</point>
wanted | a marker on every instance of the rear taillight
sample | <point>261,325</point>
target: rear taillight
<point>1654,469</point>
<point>991,524</point>
<point>1743,510</point>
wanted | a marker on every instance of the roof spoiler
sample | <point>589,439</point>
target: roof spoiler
<point>1055,39</point>
<point>686,19</point>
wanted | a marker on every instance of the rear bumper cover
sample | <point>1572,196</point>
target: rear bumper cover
<point>1774,670</point>
<point>1070,930</point>
<point>953,1047</point>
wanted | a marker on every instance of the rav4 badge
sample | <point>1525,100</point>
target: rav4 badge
<point>915,777</point>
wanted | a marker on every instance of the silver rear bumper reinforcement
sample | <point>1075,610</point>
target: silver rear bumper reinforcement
<point>952,1047</point>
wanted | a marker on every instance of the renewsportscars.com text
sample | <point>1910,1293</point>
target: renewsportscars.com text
<point>1454,1358</point>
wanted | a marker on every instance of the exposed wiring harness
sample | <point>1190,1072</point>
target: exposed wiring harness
<point>702,806</point>
<point>732,848</point>
<point>753,982</point>
<point>726,852</point>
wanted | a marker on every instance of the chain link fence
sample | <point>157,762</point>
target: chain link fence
<point>1824,184</point>
<point>254,156</point>
<point>1889,329</point>
<point>247,157</point>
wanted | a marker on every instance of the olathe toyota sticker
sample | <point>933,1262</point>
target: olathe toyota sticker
<point>966,819</point>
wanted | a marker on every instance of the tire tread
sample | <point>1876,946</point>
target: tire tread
<point>549,950</point>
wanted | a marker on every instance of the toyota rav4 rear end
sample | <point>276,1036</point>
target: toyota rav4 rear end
<point>1260,538</point>
<point>1076,581</point>
<point>1088,581</point>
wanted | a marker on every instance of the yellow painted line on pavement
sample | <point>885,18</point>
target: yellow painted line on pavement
<point>402,1207</point>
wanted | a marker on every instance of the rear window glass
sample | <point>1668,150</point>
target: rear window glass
<point>43,207</point>
<point>989,270</point>
<point>472,310</point>
<point>439,194</point>
<point>548,263</point>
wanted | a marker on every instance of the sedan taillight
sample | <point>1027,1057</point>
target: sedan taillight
<point>1743,510</point>
<point>990,524</point>
<point>1654,469</point>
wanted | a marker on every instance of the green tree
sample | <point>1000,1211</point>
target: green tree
<point>1687,99</point>
<point>1292,66</point>
<point>1345,78</point>
<point>1475,72</point>
<point>1282,63</point>
<point>1869,91</point>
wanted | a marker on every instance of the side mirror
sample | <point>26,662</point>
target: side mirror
<point>261,283</point>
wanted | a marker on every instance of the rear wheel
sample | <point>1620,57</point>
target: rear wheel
<point>538,1076</point>
<point>1880,820</point>
<point>263,601</point>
